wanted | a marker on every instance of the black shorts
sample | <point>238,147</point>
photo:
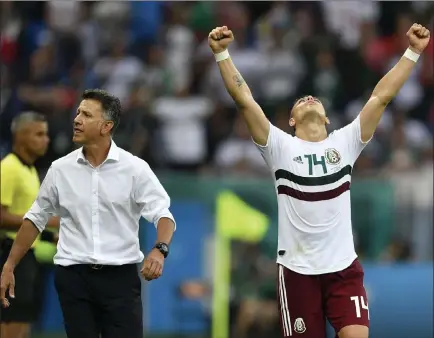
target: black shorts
<point>22,308</point>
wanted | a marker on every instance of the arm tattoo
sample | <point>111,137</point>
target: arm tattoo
<point>238,80</point>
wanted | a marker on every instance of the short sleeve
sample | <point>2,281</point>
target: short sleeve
<point>150,195</point>
<point>46,204</point>
<point>275,142</point>
<point>351,135</point>
<point>8,184</point>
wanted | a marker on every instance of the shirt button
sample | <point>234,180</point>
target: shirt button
<point>94,213</point>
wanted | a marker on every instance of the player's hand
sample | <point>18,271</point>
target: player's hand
<point>219,39</point>
<point>153,265</point>
<point>7,283</point>
<point>418,37</point>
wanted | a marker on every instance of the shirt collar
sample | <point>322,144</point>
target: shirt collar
<point>113,154</point>
<point>22,160</point>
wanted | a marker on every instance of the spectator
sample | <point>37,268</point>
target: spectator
<point>238,156</point>
<point>183,132</point>
<point>136,133</point>
<point>284,68</point>
<point>179,48</point>
<point>118,71</point>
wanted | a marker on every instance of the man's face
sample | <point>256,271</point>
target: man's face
<point>35,137</point>
<point>89,123</point>
<point>305,106</point>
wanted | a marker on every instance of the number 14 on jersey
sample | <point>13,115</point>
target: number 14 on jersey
<point>360,304</point>
<point>313,160</point>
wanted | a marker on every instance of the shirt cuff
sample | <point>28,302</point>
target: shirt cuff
<point>38,220</point>
<point>168,215</point>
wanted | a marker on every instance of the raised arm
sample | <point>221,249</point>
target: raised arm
<point>258,124</point>
<point>392,82</point>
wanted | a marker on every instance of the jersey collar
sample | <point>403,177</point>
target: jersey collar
<point>22,160</point>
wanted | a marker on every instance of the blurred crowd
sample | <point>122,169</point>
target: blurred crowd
<point>176,113</point>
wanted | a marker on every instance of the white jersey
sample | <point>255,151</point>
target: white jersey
<point>312,182</point>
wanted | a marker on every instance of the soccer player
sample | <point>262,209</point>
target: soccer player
<point>319,274</point>
<point>19,188</point>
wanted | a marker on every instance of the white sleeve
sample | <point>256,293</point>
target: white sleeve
<point>151,196</point>
<point>351,135</point>
<point>275,142</point>
<point>46,204</point>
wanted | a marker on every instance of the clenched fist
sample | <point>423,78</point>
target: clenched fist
<point>219,39</point>
<point>153,265</point>
<point>418,37</point>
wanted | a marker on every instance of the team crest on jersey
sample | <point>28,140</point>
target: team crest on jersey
<point>332,156</point>
<point>299,325</point>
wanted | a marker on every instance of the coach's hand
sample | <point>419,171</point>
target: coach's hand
<point>7,282</point>
<point>220,38</point>
<point>153,265</point>
<point>418,37</point>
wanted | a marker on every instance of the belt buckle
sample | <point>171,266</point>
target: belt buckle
<point>96,266</point>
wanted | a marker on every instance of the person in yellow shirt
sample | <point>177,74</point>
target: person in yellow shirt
<point>19,188</point>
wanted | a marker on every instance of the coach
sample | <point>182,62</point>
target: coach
<point>100,192</point>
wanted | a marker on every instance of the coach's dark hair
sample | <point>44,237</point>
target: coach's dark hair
<point>24,118</point>
<point>111,105</point>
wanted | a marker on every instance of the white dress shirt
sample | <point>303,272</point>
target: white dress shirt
<point>99,208</point>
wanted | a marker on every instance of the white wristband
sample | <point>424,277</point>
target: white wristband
<point>409,54</point>
<point>222,56</point>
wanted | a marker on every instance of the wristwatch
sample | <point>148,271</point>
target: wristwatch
<point>163,248</point>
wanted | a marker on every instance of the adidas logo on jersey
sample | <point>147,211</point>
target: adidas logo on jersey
<point>298,159</point>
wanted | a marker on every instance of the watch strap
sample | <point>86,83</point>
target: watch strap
<point>163,248</point>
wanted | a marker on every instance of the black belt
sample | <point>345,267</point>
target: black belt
<point>97,266</point>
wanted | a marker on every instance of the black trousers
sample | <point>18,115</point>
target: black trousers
<point>103,302</point>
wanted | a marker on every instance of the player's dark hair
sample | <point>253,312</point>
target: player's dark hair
<point>293,105</point>
<point>292,109</point>
<point>110,104</point>
<point>298,99</point>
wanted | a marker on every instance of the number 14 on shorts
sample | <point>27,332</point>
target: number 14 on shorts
<point>360,304</point>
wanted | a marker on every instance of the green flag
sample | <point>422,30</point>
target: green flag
<point>235,219</point>
<point>238,220</point>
